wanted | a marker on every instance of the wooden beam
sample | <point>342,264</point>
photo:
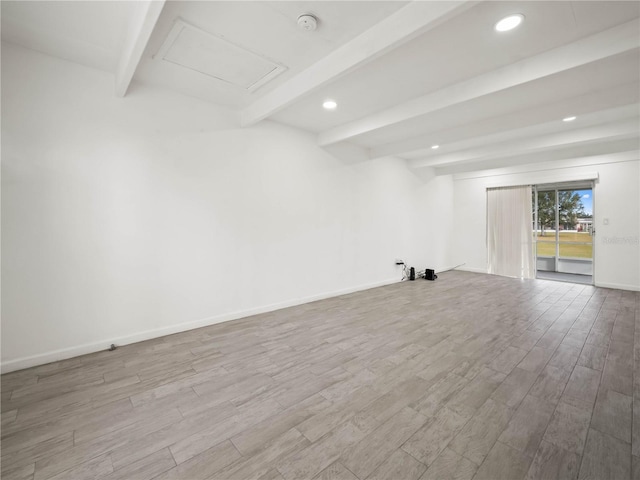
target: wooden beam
<point>403,25</point>
<point>607,43</point>
<point>140,29</point>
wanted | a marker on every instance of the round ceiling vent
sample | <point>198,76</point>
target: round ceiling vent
<point>307,22</point>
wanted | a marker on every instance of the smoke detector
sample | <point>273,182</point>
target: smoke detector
<point>307,22</point>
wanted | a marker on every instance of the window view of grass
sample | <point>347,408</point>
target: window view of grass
<point>575,212</point>
<point>547,244</point>
<point>576,251</point>
<point>550,236</point>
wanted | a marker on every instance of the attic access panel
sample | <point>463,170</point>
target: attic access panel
<point>213,56</point>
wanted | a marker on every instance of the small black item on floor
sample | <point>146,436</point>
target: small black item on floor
<point>112,347</point>
<point>412,274</point>
<point>430,274</point>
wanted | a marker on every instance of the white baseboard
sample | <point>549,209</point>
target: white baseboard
<point>62,354</point>
<point>618,286</point>
<point>444,269</point>
<point>471,269</point>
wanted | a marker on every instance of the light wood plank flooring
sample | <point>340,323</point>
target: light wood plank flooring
<point>471,376</point>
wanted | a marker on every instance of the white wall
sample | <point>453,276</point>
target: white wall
<point>434,229</point>
<point>617,198</point>
<point>125,219</point>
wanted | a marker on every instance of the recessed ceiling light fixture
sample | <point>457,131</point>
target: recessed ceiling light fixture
<point>509,23</point>
<point>568,119</point>
<point>330,104</point>
<point>435,147</point>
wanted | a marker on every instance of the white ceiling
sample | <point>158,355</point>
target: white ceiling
<point>265,28</point>
<point>406,75</point>
<point>89,33</point>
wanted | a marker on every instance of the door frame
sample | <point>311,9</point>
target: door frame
<point>561,186</point>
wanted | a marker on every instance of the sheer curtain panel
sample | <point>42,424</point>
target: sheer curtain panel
<point>509,232</point>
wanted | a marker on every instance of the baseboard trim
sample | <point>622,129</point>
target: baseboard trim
<point>65,353</point>
<point>472,270</point>
<point>618,286</point>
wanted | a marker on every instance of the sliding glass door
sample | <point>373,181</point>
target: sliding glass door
<point>563,232</point>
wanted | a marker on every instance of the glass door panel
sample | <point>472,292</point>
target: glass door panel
<point>545,218</point>
<point>563,230</point>
<point>575,240</point>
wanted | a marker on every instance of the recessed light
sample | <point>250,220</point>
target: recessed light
<point>330,104</point>
<point>509,23</point>
<point>568,119</point>
<point>435,147</point>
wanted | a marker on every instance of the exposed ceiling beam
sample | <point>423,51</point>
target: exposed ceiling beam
<point>607,43</point>
<point>620,130</point>
<point>610,115</point>
<point>592,109</point>
<point>550,164</point>
<point>581,154</point>
<point>403,25</point>
<point>140,29</point>
<point>603,118</point>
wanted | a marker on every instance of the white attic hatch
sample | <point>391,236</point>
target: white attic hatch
<point>218,58</point>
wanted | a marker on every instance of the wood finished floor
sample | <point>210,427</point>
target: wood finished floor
<point>471,376</point>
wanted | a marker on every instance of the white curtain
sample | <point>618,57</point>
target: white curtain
<point>509,232</point>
